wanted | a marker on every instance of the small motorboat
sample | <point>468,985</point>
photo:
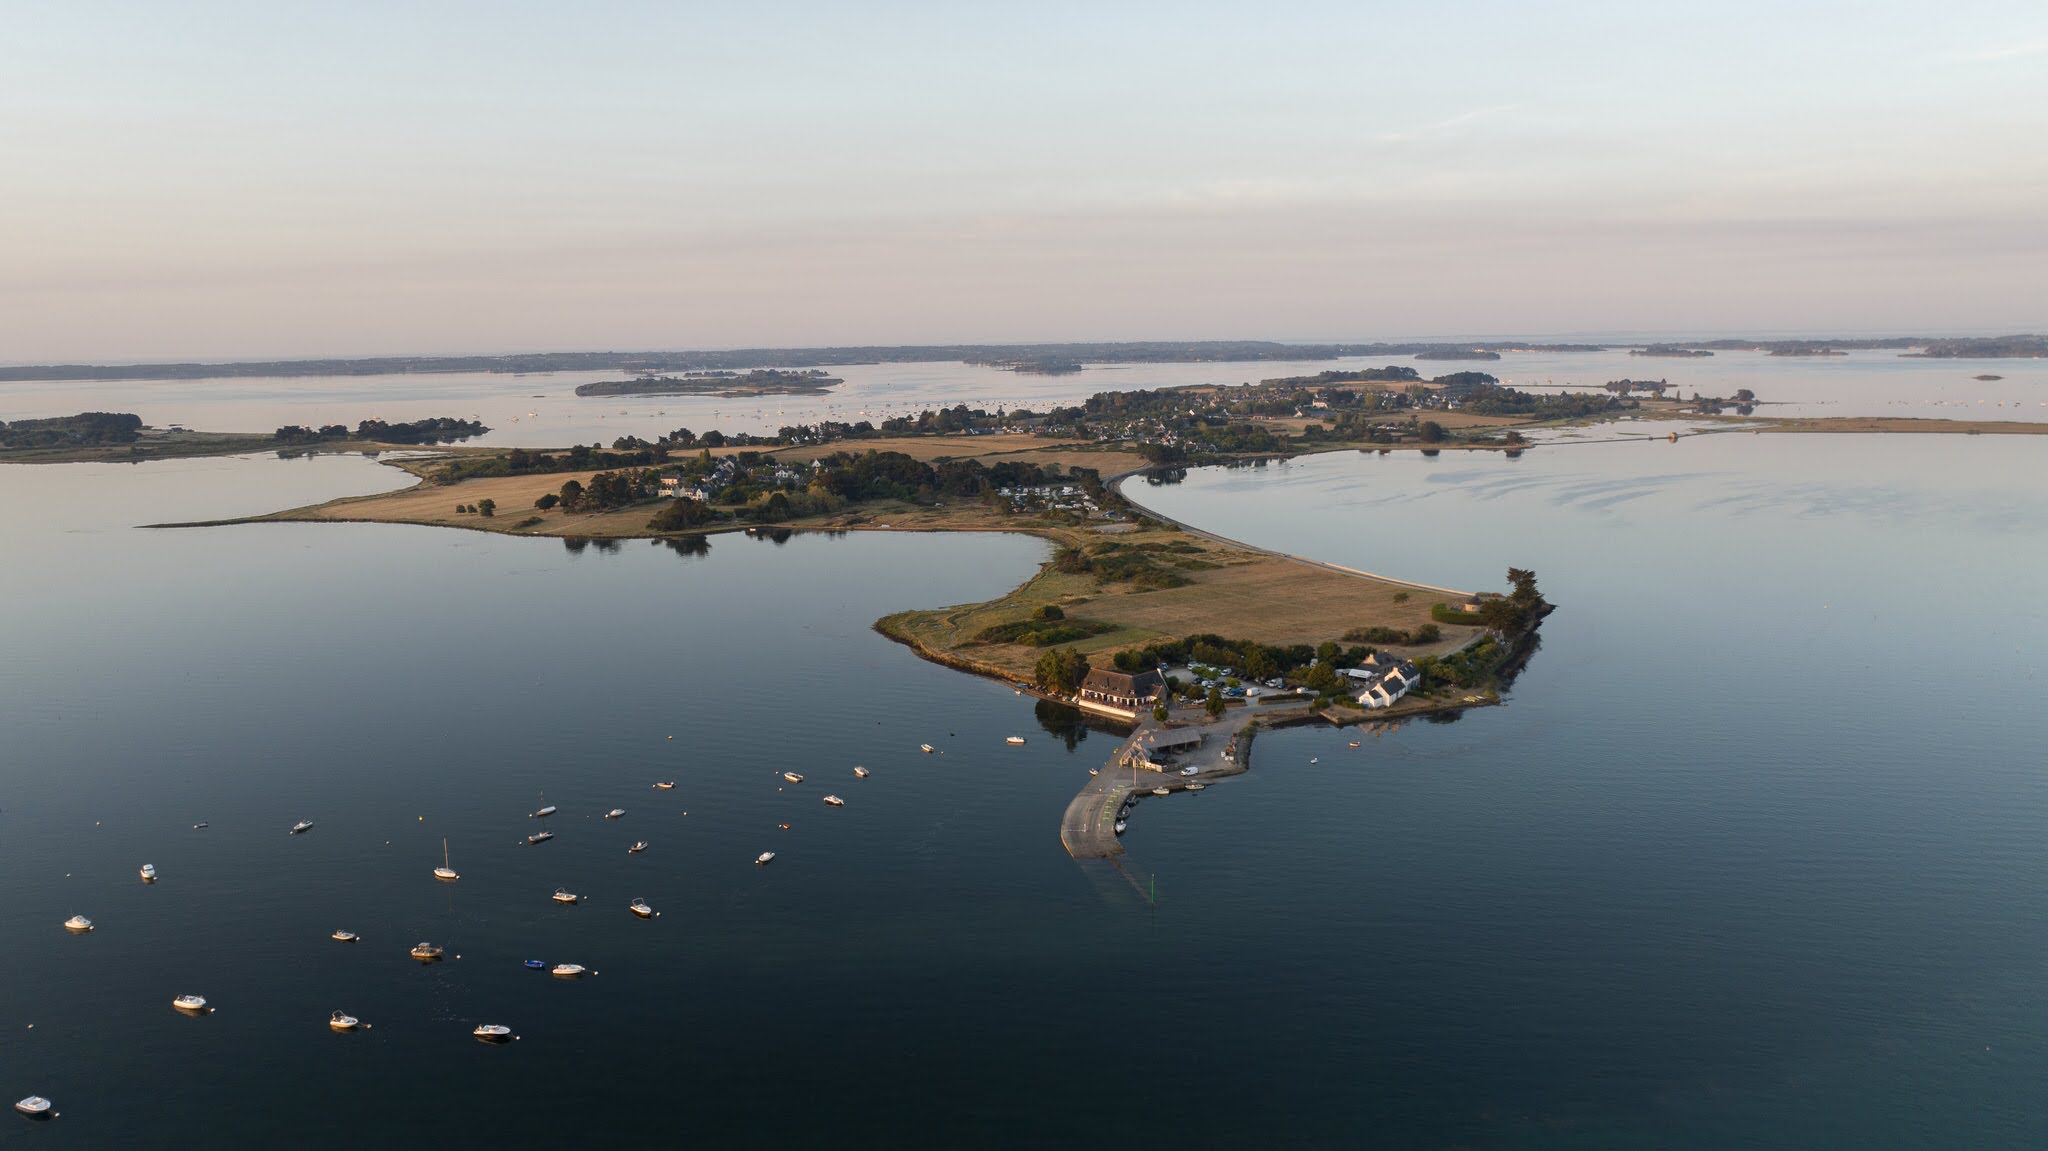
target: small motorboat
<point>668,786</point>
<point>639,845</point>
<point>569,970</point>
<point>641,908</point>
<point>198,826</point>
<point>492,1032</point>
<point>302,826</point>
<point>1196,786</point>
<point>1354,743</point>
<point>444,871</point>
<point>765,858</point>
<point>1162,791</point>
<point>1094,771</point>
<point>1015,741</point>
<point>792,777</point>
<point>860,772</point>
<point>149,873</point>
<point>834,801</point>
<point>343,1021</point>
<point>544,812</point>
<point>1120,825</point>
<point>926,748</point>
<point>540,837</point>
<point>345,937</point>
<point>536,964</point>
<point>78,923</point>
<point>1315,759</point>
<point>35,1107</point>
<point>564,895</point>
<point>190,1003</point>
<point>425,952</point>
<point>615,813</point>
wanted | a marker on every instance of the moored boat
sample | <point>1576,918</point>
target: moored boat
<point>765,857</point>
<point>860,772</point>
<point>1015,741</point>
<point>342,1021</point>
<point>569,970</point>
<point>1120,826</point>
<point>1161,791</point>
<point>191,1004</point>
<point>79,924</point>
<point>149,873</point>
<point>792,777</point>
<point>641,908</point>
<point>492,1032</point>
<point>344,937</point>
<point>540,837</point>
<point>669,785</point>
<point>615,812</point>
<point>1196,786</point>
<point>564,895</point>
<point>536,964</point>
<point>35,1107</point>
<point>639,845</point>
<point>834,801</point>
<point>544,812</point>
<point>425,952</point>
<point>302,826</point>
<point>444,871</point>
<point>926,748</point>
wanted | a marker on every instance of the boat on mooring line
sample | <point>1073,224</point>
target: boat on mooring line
<point>539,837</point>
<point>426,952</point>
<point>493,1032</point>
<point>444,871</point>
<point>302,826</point>
<point>641,908</point>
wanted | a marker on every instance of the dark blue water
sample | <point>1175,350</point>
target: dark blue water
<point>1753,858</point>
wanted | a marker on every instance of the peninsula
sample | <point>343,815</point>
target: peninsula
<point>732,385</point>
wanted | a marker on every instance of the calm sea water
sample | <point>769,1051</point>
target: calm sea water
<point>1752,858</point>
<point>543,411</point>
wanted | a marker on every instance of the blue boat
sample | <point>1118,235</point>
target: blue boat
<point>535,964</point>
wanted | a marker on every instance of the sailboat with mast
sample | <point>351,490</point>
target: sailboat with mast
<point>444,871</point>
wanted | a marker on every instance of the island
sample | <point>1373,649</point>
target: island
<point>731,385</point>
<point>1457,354</point>
<point>1670,351</point>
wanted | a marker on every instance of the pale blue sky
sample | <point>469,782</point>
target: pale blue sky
<point>264,179</point>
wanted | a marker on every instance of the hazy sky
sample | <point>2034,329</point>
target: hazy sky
<point>215,180</point>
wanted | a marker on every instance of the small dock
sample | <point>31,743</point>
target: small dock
<point>1088,829</point>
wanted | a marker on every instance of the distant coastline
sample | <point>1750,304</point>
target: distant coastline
<point>732,385</point>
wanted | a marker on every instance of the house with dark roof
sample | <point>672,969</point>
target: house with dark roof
<point>1120,694</point>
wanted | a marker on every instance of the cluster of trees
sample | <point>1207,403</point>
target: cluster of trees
<point>1118,563</point>
<point>1061,670</point>
<point>605,491</point>
<point>485,508</point>
<point>1489,400</point>
<point>440,429</point>
<point>1046,627</point>
<point>1426,633</point>
<point>86,429</point>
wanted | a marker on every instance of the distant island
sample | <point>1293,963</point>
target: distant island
<point>1805,350</point>
<point>123,436</point>
<point>1987,377</point>
<point>1672,351</point>
<point>1457,354</point>
<point>759,382</point>
<point>1986,348</point>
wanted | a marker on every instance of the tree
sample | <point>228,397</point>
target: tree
<point>487,508</point>
<point>572,496</point>
<point>1514,439</point>
<point>461,508</point>
<point>547,501</point>
<point>1061,670</point>
<point>1744,396</point>
<point>679,514</point>
<point>1159,713</point>
<point>1430,432</point>
<point>1215,702</point>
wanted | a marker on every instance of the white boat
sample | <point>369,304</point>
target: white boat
<point>1161,791</point>
<point>444,871</point>
<point>1015,741</point>
<point>765,857</point>
<point>78,923</point>
<point>149,873</point>
<point>344,937</point>
<point>303,825</point>
<point>861,772</point>
<point>342,1021</point>
<point>492,1032</point>
<point>564,895</point>
<point>189,1003</point>
<point>1314,759</point>
<point>568,970</point>
<point>544,812</point>
<point>668,786</point>
<point>425,952</point>
<point>926,748</point>
<point>835,801</point>
<point>792,777</point>
<point>35,1107</point>
<point>1196,786</point>
<point>197,826</point>
<point>641,908</point>
<point>540,837</point>
<point>639,845</point>
<point>615,813</point>
<point>1120,826</point>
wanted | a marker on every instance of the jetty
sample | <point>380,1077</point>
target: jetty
<point>1088,830</point>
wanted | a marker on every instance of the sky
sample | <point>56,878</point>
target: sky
<point>234,180</point>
